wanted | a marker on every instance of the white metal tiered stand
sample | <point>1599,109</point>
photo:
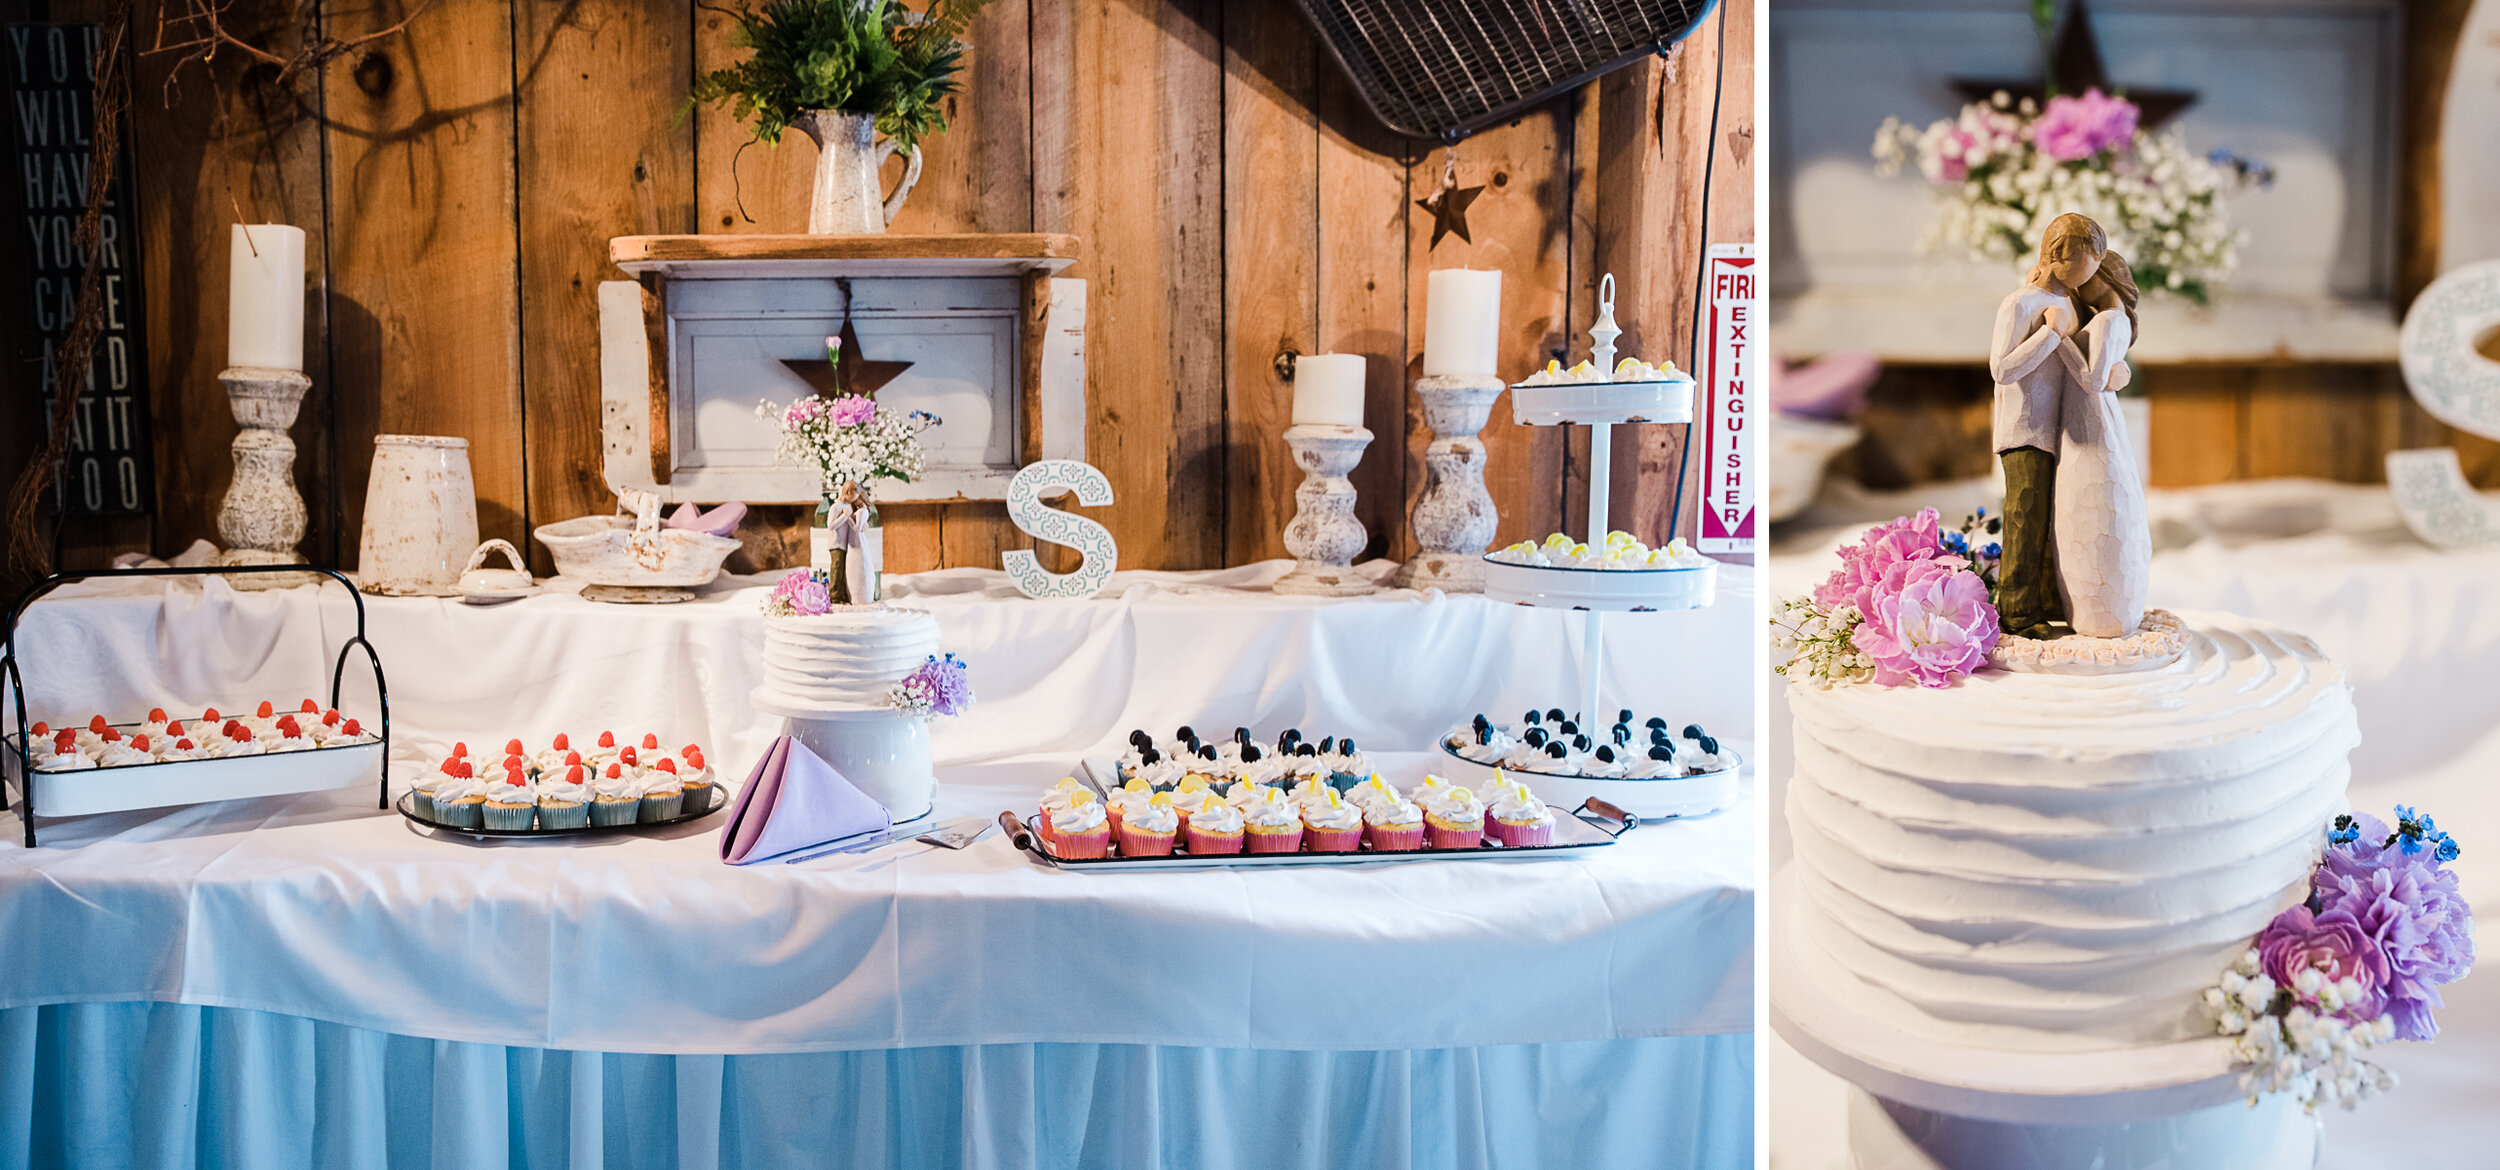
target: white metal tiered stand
<point>1599,406</point>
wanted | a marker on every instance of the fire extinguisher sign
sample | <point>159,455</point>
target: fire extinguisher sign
<point>1731,323</point>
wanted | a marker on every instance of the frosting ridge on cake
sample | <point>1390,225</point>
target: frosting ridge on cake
<point>2060,863</point>
<point>849,657</point>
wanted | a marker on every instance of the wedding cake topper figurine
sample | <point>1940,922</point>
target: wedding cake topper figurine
<point>2077,546</point>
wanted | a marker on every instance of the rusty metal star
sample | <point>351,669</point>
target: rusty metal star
<point>1449,212</point>
<point>856,374</point>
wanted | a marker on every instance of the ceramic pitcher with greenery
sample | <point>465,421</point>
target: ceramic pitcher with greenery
<point>864,79</point>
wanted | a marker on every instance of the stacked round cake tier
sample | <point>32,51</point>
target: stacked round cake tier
<point>849,658</point>
<point>2059,864</point>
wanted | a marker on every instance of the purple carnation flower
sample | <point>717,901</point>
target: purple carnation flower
<point>2409,906</point>
<point>942,684</point>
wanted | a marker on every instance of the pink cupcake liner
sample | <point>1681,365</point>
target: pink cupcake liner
<point>1333,840</point>
<point>1201,841</point>
<point>1289,841</point>
<point>1524,834</point>
<point>1093,843</point>
<point>1440,837</point>
<point>1391,840</point>
<point>1140,843</point>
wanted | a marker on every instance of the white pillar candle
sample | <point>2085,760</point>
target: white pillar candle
<point>1328,390</point>
<point>265,298</point>
<point>1462,321</point>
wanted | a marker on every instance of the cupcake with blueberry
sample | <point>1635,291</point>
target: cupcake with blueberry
<point>1454,819</point>
<point>1215,828</point>
<point>1148,829</point>
<point>1332,825</point>
<point>564,800</point>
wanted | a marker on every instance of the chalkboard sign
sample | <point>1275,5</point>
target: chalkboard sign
<point>51,131</point>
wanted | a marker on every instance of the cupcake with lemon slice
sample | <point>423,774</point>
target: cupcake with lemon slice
<point>1081,830</point>
<point>1332,824</point>
<point>1148,828</point>
<point>1214,827</point>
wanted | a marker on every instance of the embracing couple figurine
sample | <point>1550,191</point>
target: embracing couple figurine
<point>2076,546</point>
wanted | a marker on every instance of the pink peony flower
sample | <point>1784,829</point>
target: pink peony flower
<point>2332,944</point>
<point>800,593</point>
<point>1910,538</point>
<point>1926,621</point>
<point>2080,127</point>
<point>851,410</point>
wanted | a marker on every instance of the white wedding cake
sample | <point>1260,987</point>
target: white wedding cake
<point>848,658</point>
<point>2037,864</point>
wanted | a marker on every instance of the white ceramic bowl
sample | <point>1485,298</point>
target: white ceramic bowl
<point>1611,589</point>
<point>1800,449</point>
<point>594,549</point>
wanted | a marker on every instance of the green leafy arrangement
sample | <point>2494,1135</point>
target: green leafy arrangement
<point>857,56</point>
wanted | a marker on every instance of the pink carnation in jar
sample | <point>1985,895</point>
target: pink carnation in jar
<point>851,410</point>
<point>2080,127</point>
<point>1927,622</point>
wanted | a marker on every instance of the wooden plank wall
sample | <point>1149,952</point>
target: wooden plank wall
<point>1236,203</point>
<point>2211,423</point>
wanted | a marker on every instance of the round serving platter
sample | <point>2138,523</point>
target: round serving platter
<point>1664,400</point>
<point>406,808</point>
<point>1651,799</point>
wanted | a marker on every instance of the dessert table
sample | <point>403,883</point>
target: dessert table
<point>2417,632</point>
<point>310,981</point>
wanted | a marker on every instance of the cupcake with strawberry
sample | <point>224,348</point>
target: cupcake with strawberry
<point>66,756</point>
<point>564,800</point>
<point>511,803</point>
<point>615,796</point>
<point>696,777</point>
<point>460,798</point>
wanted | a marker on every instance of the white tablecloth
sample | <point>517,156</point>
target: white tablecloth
<point>318,906</point>
<point>2418,632</point>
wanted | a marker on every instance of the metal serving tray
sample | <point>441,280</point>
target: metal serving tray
<point>1653,799</point>
<point>1593,825</point>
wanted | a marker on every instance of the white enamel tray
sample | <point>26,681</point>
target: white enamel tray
<point>1602,589</point>
<point>98,790</point>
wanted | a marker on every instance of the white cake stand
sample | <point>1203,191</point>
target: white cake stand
<point>881,751</point>
<point>1929,1105</point>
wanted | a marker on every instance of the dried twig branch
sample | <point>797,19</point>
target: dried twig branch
<point>206,21</point>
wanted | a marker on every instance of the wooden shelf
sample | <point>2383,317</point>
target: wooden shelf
<point>747,257</point>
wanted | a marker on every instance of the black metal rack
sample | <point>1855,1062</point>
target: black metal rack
<point>1444,69</point>
<point>338,674</point>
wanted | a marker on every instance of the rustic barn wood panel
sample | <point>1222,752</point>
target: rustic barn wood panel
<point>459,183</point>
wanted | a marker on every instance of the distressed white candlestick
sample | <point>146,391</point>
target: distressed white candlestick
<point>1454,519</point>
<point>262,518</point>
<point>1328,390</point>
<point>1462,322</point>
<point>1325,536</point>
<point>265,298</point>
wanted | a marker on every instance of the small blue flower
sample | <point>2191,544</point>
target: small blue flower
<point>1993,551</point>
<point>2447,849</point>
<point>2344,831</point>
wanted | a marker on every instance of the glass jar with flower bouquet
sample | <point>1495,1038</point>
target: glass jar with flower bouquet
<point>851,440</point>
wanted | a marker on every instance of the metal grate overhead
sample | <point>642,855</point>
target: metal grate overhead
<point>1447,68</point>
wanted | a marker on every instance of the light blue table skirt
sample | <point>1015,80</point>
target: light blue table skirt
<point>108,1085</point>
